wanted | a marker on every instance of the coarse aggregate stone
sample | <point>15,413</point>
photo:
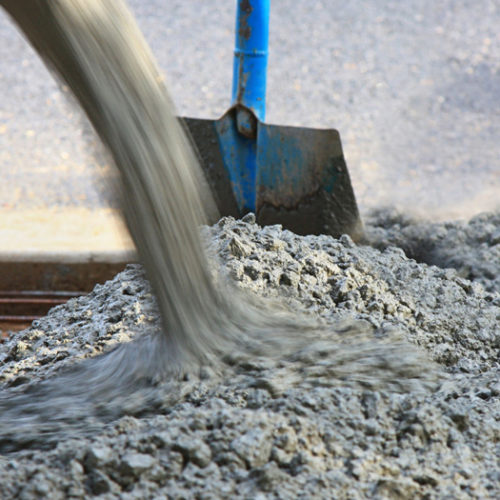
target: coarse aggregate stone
<point>290,428</point>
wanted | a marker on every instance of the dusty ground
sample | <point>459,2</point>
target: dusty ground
<point>296,427</point>
<point>413,87</point>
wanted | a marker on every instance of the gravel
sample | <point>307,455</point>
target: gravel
<point>292,427</point>
<point>472,248</point>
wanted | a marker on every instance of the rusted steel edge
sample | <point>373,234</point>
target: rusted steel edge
<point>18,319</point>
<point>40,293</point>
<point>32,301</point>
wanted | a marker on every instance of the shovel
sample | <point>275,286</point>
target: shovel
<point>292,176</point>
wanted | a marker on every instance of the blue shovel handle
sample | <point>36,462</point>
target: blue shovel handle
<point>250,56</point>
<point>237,130</point>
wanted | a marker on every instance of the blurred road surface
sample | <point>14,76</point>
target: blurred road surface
<point>413,87</point>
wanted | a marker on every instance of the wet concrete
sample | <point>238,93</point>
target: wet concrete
<point>302,425</point>
<point>402,355</point>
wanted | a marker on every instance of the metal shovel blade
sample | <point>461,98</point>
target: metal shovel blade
<point>303,182</point>
<point>301,176</point>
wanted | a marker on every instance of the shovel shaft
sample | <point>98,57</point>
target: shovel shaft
<point>250,55</point>
<point>238,136</point>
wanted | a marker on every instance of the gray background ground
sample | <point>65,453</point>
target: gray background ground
<point>413,87</point>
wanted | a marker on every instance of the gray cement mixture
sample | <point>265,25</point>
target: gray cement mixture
<point>361,374</point>
<point>296,426</point>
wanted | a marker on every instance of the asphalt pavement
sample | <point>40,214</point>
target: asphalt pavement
<point>413,87</point>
